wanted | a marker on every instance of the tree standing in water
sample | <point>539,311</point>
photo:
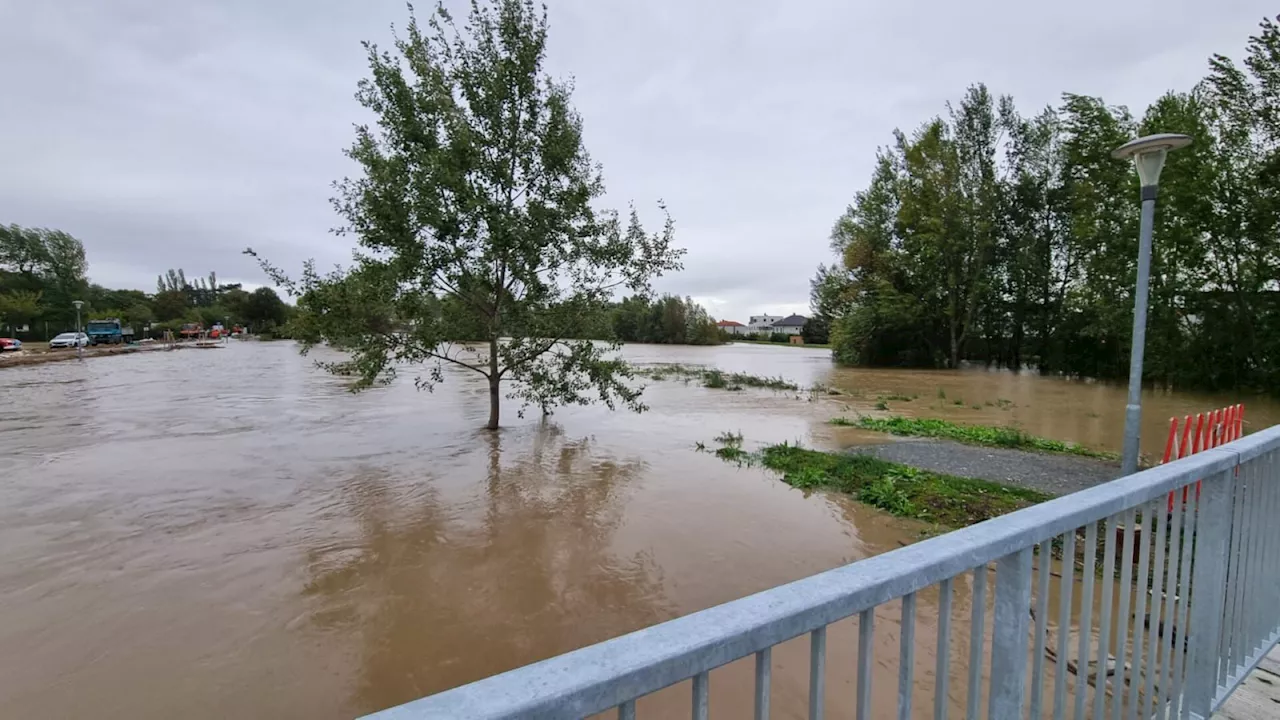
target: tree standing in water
<point>480,245</point>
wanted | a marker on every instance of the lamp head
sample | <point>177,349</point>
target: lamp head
<point>78,303</point>
<point>1149,153</point>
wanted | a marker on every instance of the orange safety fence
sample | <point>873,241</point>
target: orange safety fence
<point>1212,429</point>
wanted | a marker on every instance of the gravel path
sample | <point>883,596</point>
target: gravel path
<point>1048,473</point>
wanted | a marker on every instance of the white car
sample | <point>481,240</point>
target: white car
<point>69,340</point>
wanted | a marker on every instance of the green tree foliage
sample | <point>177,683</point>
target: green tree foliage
<point>475,217</point>
<point>19,307</point>
<point>990,236</point>
<point>49,262</point>
<point>264,311</point>
<point>667,320</point>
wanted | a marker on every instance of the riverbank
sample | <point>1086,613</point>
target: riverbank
<point>905,490</point>
<point>820,346</point>
<point>985,435</point>
<point>1046,473</point>
<point>24,357</point>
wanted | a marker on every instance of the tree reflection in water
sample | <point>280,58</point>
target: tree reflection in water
<point>436,594</point>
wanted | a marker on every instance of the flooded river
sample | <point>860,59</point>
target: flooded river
<point>232,533</point>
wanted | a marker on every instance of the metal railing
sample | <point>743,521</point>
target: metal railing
<point>1210,566</point>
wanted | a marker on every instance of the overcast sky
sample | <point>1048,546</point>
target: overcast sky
<point>173,133</point>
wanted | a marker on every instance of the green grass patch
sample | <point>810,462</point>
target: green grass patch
<point>971,434</point>
<point>898,489</point>
<point>898,398</point>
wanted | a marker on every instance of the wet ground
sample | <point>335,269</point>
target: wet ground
<point>232,533</point>
<point>1046,472</point>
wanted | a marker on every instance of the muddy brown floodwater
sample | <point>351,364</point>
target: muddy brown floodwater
<point>232,533</point>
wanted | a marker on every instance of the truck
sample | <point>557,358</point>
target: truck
<point>108,332</point>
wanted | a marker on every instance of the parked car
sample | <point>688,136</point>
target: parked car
<point>10,344</point>
<point>69,340</point>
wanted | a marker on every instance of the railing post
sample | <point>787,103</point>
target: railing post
<point>1010,633</point>
<point>1208,592</point>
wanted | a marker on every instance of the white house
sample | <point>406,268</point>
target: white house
<point>762,323</point>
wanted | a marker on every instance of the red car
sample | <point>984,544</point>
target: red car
<point>10,344</point>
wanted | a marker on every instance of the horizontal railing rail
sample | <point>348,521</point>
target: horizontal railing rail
<point>1210,564</point>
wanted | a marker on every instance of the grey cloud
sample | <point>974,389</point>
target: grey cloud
<point>170,133</point>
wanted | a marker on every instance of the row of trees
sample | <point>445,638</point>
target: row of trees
<point>43,271</point>
<point>668,320</point>
<point>991,236</point>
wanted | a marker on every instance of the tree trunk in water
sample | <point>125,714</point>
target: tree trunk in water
<point>494,382</point>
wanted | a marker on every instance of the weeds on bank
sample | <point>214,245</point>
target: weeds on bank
<point>971,434</point>
<point>898,489</point>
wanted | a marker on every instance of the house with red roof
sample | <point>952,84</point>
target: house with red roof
<point>733,327</point>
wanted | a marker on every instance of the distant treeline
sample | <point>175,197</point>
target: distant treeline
<point>993,237</point>
<point>668,320</point>
<point>42,272</point>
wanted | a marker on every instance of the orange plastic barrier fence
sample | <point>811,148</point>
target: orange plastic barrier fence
<point>1212,429</point>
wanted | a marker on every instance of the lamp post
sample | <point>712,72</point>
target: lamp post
<point>79,347</point>
<point>1148,155</point>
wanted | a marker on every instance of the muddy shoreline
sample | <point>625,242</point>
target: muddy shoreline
<point>24,358</point>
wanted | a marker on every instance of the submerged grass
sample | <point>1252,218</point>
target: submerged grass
<point>1008,437</point>
<point>719,379</point>
<point>902,490</point>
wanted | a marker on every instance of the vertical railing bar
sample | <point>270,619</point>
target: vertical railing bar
<point>817,672</point>
<point>1104,622</point>
<point>1140,606</point>
<point>942,670</point>
<point>1271,549</point>
<point>1169,615</point>
<point>906,655</point>
<point>1269,482</point>
<point>1265,585</point>
<point>1232,582</point>
<point>1190,509</point>
<point>1086,617</point>
<point>1153,614</point>
<point>700,693</point>
<point>1259,594</point>
<point>1009,627</point>
<point>764,674</point>
<point>1042,625</point>
<point>627,710</point>
<point>1239,581</point>
<point>866,631</point>
<point>1064,622</point>
<point>1121,681</point>
<point>977,619</point>
<point>1257,579</point>
<point>1208,592</point>
<point>1242,642</point>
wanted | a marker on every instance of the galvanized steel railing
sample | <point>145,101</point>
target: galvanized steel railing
<point>1177,627</point>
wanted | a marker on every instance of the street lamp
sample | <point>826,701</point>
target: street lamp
<point>1148,155</point>
<point>79,347</point>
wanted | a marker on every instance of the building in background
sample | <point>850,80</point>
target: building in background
<point>732,327</point>
<point>791,324</point>
<point>762,323</point>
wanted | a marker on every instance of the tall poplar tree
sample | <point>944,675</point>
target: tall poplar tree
<point>480,246</point>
